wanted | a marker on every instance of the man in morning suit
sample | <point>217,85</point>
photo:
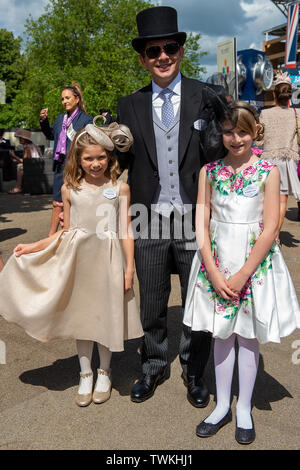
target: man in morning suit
<point>163,166</point>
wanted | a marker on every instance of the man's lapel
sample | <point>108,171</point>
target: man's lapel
<point>189,107</point>
<point>142,103</point>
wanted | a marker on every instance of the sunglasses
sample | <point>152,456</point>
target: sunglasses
<point>170,48</point>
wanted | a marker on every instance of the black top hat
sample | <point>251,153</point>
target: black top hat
<point>156,23</point>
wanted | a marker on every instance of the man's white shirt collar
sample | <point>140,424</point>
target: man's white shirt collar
<point>175,86</point>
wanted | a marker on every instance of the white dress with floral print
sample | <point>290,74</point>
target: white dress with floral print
<point>267,308</point>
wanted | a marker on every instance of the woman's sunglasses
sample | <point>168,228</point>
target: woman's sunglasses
<point>170,48</point>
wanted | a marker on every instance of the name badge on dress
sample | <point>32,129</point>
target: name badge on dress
<point>109,193</point>
<point>251,190</point>
<point>71,132</point>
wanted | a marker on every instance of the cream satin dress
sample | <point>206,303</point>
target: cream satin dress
<point>267,308</point>
<point>75,287</point>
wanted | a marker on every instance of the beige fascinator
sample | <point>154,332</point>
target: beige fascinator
<point>282,77</point>
<point>113,136</point>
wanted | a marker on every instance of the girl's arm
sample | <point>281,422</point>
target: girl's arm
<point>27,248</point>
<point>218,280</point>
<point>126,236</point>
<point>268,235</point>
<point>65,193</point>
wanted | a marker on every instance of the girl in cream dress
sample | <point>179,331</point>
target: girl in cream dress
<point>77,283</point>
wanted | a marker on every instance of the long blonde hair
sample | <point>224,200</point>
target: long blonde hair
<point>110,138</point>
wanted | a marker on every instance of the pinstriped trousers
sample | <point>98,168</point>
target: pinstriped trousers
<point>165,243</point>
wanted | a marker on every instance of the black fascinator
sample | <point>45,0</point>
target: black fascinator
<point>215,111</point>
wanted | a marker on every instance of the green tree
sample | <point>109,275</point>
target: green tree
<point>10,58</point>
<point>88,41</point>
<point>11,72</point>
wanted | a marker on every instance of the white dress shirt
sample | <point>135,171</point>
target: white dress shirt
<point>157,101</point>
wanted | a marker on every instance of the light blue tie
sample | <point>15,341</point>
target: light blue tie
<point>167,110</point>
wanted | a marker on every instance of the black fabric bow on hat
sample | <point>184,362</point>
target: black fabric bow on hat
<point>215,111</point>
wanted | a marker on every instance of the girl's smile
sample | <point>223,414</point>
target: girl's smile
<point>94,162</point>
<point>238,143</point>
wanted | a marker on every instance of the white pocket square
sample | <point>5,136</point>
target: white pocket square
<point>200,124</point>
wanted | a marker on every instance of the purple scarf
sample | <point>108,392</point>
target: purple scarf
<point>61,148</point>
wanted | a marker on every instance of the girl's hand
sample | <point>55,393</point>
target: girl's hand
<point>128,280</point>
<point>237,281</point>
<point>221,286</point>
<point>26,248</point>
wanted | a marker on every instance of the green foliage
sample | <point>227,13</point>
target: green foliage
<point>192,58</point>
<point>10,62</point>
<point>87,41</point>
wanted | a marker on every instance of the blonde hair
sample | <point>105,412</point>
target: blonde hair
<point>246,118</point>
<point>73,171</point>
<point>115,136</point>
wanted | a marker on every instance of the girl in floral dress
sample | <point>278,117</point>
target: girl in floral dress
<point>239,285</point>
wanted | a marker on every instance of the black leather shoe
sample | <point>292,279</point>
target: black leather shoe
<point>197,392</point>
<point>145,388</point>
<point>207,429</point>
<point>245,436</point>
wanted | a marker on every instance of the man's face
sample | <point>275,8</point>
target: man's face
<point>165,67</point>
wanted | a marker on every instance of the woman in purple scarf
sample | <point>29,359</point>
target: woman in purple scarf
<point>62,132</point>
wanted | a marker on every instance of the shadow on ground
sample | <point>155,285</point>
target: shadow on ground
<point>64,373</point>
<point>13,203</point>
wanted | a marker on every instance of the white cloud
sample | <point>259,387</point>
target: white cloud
<point>15,12</point>
<point>258,16</point>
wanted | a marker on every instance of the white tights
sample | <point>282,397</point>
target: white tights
<point>224,357</point>
<point>85,351</point>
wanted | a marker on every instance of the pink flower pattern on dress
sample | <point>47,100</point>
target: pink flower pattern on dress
<point>249,172</point>
<point>226,182</point>
<point>267,166</point>
<point>256,151</point>
<point>238,184</point>
<point>224,173</point>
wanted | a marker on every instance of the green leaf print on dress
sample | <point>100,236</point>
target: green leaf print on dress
<point>226,182</point>
<point>229,308</point>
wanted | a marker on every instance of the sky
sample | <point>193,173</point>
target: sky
<point>215,20</point>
